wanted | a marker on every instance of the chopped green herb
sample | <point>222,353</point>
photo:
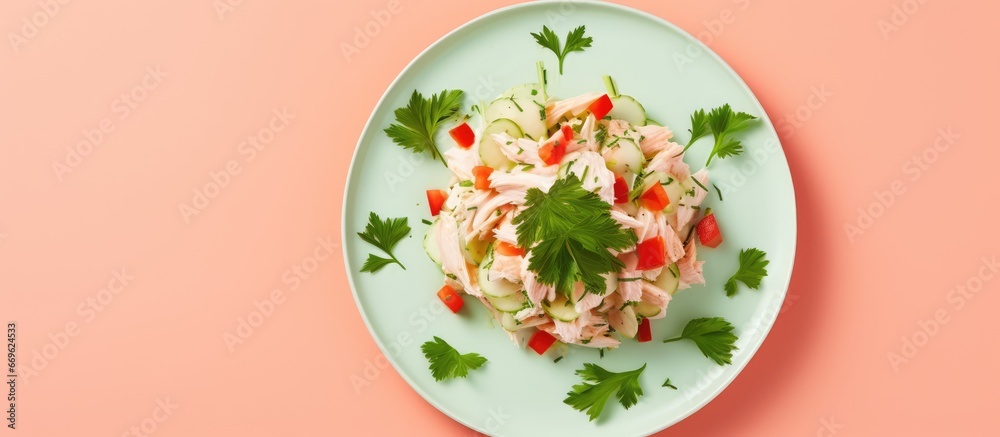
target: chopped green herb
<point>519,109</point>
<point>426,222</point>
<point>696,181</point>
<point>601,135</point>
<point>558,359</point>
<point>668,384</point>
<point>466,184</point>
<point>717,191</point>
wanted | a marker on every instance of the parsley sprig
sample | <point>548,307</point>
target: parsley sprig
<point>418,121</point>
<point>569,231</point>
<point>753,268</point>
<point>446,362</point>
<point>598,386</point>
<point>713,336</point>
<point>383,235</point>
<point>575,42</point>
<point>722,122</point>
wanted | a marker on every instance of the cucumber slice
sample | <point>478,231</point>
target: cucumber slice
<point>561,309</point>
<point>489,150</point>
<point>475,250</point>
<point>497,287</point>
<point>509,304</point>
<point>526,91</point>
<point>668,279</point>
<point>628,109</point>
<point>646,309</point>
<point>521,111</point>
<point>431,244</point>
<point>624,158</point>
<point>508,322</point>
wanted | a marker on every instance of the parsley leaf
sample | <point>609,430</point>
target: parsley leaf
<point>753,268</point>
<point>597,387</point>
<point>713,336</point>
<point>383,235</point>
<point>668,384</point>
<point>699,127</point>
<point>575,42</point>
<point>724,122</point>
<point>447,363</point>
<point>569,231</point>
<point>418,121</point>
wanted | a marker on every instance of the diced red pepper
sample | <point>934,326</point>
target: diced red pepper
<point>451,298</point>
<point>652,254</point>
<point>482,174</point>
<point>644,334</point>
<point>708,231</point>
<point>567,132</point>
<point>621,190</point>
<point>554,149</point>
<point>508,249</point>
<point>463,135</point>
<point>541,341</point>
<point>435,199</point>
<point>655,198</point>
<point>601,107</point>
<point>552,152</point>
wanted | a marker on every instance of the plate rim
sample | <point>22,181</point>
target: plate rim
<point>542,3</point>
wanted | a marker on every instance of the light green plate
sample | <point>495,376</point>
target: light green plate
<point>519,393</point>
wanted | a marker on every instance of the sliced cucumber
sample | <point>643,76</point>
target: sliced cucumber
<point>526,91</point>
<point>624,158</point>
<point>509,304</point>
<point>509,323</point>
<point>646,309</point>
<point>668,279</point>
<point>489,150</point>
<point>628,109</point>
<point>561,309</point>
<point>431,244</point>
<point>475,250</point>
<point>522,111</point>
<point>496,287</point>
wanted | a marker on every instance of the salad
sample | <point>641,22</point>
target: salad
<point>571,220</point>
<point>596,143</point>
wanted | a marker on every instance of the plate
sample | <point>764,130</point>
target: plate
<point>518,393</point>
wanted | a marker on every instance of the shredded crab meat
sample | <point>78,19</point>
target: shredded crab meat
<point>486,216</point>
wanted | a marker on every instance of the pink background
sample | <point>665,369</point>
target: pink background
<point>160,341</point>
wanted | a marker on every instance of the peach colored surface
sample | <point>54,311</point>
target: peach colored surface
<point>166,350</point>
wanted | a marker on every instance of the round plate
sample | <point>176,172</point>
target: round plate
<point>519,393</point>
